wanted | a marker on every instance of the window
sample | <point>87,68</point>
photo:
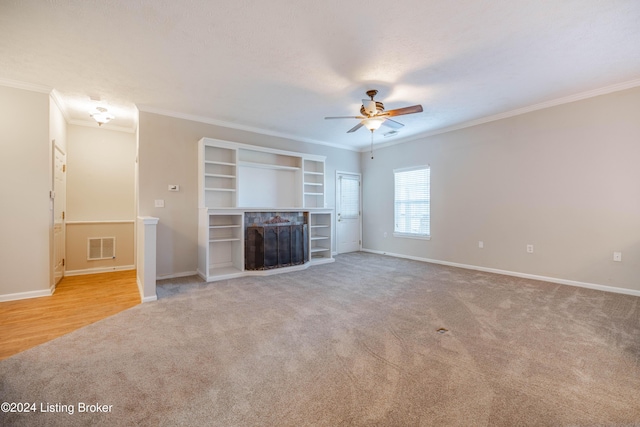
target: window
<point>412,202</point>
<point>349,196</point>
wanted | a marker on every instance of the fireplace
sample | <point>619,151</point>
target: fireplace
<point>275,243</point>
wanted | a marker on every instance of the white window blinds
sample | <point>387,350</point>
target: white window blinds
<point>412,202</point>
<point>349,197</point>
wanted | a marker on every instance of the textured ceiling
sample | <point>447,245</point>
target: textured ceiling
<point>281,66</point>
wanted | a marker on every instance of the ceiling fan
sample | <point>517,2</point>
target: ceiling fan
<point>373,114</point>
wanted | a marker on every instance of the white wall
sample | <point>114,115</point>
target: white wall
<point>564,179</point>
<point>25,171</point>
<point>100,190</point>
<point>168,155</point>
<point>57,126</point>
<point>100,174</point>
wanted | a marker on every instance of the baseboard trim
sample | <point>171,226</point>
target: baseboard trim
<point>26,295</point>
<point>141,291</point>
<point>595,286</point>
<point>176,275</point>
<point>140,287</point>
<point>99,270</point>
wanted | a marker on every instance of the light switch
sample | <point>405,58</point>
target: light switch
<point>174,187</point>
<point>159,203</point>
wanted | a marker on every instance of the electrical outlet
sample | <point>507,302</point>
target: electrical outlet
<point>385,234</point>
<point>530,249</point>
<point>159,203</point>
<point>480,244</point>
<point>617,256</point>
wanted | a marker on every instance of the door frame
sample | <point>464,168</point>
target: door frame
<point>55,148</point>
<point>337,205</point>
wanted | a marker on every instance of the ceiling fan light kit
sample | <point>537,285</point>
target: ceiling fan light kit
<point>373,123</point>
<point>373,116</point>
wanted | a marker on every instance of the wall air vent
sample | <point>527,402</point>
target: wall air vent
<point>101,248</point>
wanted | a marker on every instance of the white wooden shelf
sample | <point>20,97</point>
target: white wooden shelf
<point>231,239</point>
<point>268,166</point>
<point>217,175</point>
<point>213,162</point>
<point>219,189</point>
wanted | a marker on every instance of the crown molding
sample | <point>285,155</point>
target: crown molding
<point>26,86</point>
<point>230,125</point>
<point>106,126</point>
<point>55,95</point>
<point>540,106</point>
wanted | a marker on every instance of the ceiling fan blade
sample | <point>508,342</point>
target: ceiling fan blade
<point>355,128</point>
<point>392,124</point>
<point>405,110</point>
<point>346,117</point>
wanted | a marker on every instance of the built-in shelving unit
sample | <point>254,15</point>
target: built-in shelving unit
<point>221,244</point>
<point>313,183</point>
<point>234,179</point>
<point>217,176</point>
<point>320,236</point>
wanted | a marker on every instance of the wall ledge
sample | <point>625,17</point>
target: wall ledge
<point>106,221</point>
<point>595,286</point>
<point>149,220</point>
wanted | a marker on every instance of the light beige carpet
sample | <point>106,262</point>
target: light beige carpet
<point>356,342</point>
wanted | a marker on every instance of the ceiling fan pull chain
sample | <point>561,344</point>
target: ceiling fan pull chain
<point>372,145</point>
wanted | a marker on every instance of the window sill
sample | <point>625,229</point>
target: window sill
<point>412,236</point>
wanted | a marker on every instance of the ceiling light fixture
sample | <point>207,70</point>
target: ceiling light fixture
<point>373,123</point>
<point>101,115</point>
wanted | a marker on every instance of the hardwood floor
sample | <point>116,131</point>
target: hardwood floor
<point>78,301</point>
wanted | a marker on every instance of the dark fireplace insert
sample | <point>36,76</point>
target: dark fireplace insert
<point>275,245</point>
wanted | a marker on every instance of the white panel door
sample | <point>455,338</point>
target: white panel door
<point>348,212</point>
<point>59,203</point>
